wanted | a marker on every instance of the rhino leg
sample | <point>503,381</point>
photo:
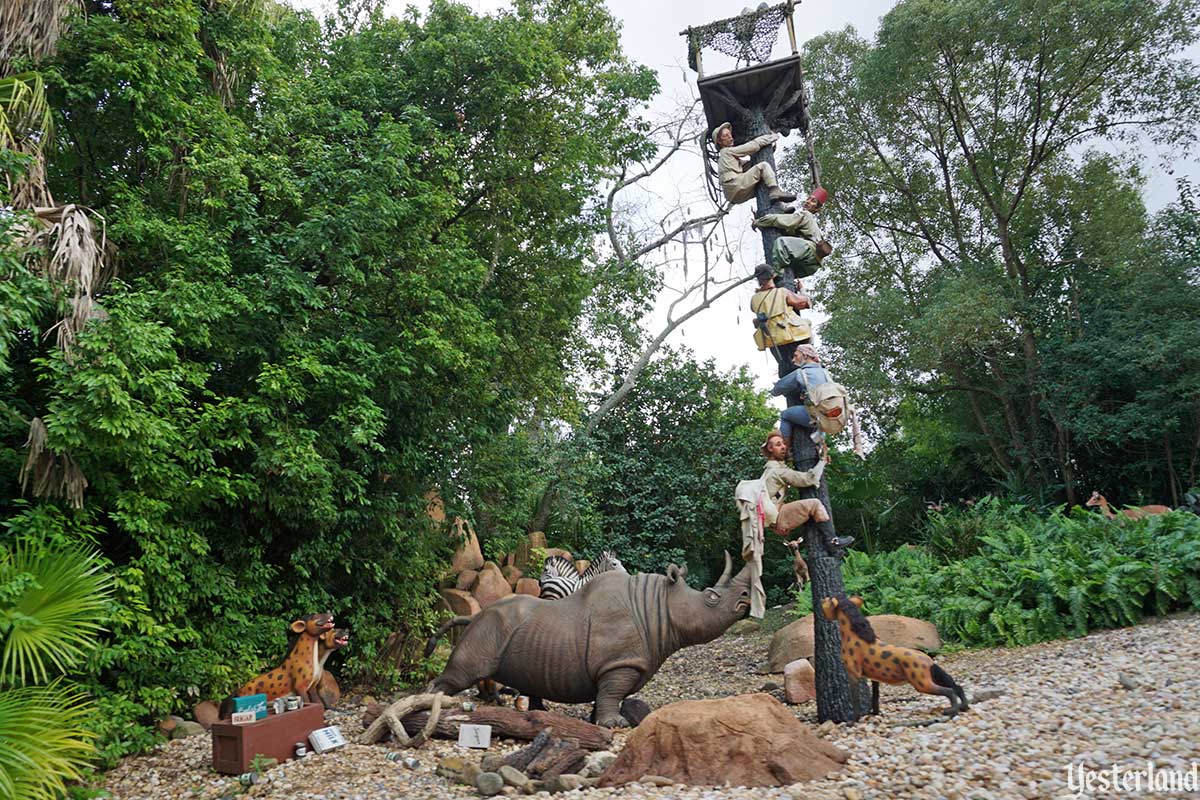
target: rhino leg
<point>611,688</point>
<point>464,669</point>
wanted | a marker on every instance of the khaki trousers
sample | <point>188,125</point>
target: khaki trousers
<point>741,188</point>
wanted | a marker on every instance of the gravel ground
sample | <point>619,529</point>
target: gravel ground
<point>1121,697</point>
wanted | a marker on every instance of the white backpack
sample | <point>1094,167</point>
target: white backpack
<point>828,404</point>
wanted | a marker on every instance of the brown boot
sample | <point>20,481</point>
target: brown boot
<point>778,195</point>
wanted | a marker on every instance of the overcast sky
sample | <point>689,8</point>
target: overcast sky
<point>650,35</point>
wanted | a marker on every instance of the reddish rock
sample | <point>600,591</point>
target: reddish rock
<point>206,713</point>
<point>511,574</point>
<point>461,604</point>
<point>795,641</point>
<point>537,539</point>
<point>529,586</point>
<point>434,506</point>
<point>519,558</point>
<point>747,740</point>
<point>558,551</point>
<point>490,586</point>
<point>468,555</point>
<point>799,682</point>
<point>581,565</point>
<point>466,580</point>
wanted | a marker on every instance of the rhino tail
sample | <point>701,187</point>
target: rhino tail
<point>431,645</point>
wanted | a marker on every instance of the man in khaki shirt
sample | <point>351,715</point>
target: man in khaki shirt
<point>740,185</point>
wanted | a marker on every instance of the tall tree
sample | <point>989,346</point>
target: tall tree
<point>953,145</point>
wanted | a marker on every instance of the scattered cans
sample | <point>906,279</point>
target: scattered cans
<point>301,749</point>
<point>521,703</point>
<point>407,761</point>
<point>467,705</point>
<point>293,703</point>
<point>249,778</point>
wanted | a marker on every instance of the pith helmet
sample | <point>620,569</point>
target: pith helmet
<point>717,130</point>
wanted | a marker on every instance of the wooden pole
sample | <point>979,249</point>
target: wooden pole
<point>791,26</point>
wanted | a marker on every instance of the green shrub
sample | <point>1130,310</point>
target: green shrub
<point>1033,578</point>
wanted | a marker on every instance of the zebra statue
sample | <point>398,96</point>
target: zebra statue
<point>560,578</point>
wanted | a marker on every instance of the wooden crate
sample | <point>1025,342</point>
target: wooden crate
<point>235,746</point>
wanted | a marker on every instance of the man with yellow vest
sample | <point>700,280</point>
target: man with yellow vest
<point>777,326</point>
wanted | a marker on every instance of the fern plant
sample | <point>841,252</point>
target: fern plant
<point>52,600</point>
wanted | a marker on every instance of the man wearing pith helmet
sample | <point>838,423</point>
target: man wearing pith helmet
<point>802,247</point>
<point>738,184</point>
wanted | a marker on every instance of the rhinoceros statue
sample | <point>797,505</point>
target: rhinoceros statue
<point>601,644</point>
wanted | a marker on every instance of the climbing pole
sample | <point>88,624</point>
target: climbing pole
<point>756,99</point>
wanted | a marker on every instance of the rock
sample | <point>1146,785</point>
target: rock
<point>564,783</point>
<point>744,626</point>
<point>581,565</point>
<point>770,686</point>
<point>468,555</point>
<point>799,682</point>
<point>795,641</point>
<point>186,728</point>
<point>461,604</point>
<point>597,762</point>
<point>656,780</point>
<point>206,713</point>
<point>491,762</point>
<point>169,723</point>
<point>528,586</point>
<point>980,695</point>
<point>465,581</point>
<point>512,575</point>
<point>513,777</point>
<point>634,710</point>
<point>1127,682</point>
<point>470,773</point>
<point>558,551</point>
<point>852,793</point>
<point>490,586</point>
<point>744,740</point>
<point>489,783</point>
<point>536,539</point>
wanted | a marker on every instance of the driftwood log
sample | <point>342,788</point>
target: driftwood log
<point>506,722</point>
<point>388,718</point>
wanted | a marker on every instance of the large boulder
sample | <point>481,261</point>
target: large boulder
<point>511,574</point>
<point>529,586</point>
<point>468,555</point>
<point>558,551</point>
<point>490,586</point>
<point>537,539</point>
<point>206,713</point>
<point>461,603</point>
<point>746,740</point>
<point>466,580</point>
<point>795,641</point>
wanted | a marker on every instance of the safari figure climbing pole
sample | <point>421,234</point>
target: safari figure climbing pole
<point>757,100</point>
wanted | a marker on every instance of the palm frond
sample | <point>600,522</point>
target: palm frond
<point>44,743</point>
<point>51,606</point>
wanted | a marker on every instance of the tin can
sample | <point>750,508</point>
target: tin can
<point>293,703</point>
<point>467,705</point>
<point>249,778</point>
<point>521,703</point>
<point>301,749</point>
<point>411,762</point>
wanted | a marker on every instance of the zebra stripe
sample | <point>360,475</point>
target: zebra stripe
<point>560,578</point>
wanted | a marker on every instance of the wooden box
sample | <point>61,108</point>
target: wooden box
<point>235,746</point>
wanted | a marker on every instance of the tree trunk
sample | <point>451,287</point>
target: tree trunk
<point>832,681</point>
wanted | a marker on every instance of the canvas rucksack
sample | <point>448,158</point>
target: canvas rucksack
<point>829,405</point>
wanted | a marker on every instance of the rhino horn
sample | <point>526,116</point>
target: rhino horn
<point>724,579</point>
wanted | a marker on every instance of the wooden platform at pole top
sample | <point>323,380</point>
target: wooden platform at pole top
<point>750,86</point>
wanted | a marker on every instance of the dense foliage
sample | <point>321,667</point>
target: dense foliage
<point>1002,302</point>
<point>1031,577</point>
<point>350,258</point>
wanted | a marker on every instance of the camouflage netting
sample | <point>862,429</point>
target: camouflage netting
<point>749,36</point>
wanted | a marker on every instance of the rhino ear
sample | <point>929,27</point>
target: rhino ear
<point>676,574</point>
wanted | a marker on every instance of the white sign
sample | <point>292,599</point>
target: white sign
<point>475,736</point>
<point>242,717</point>
<point>326,739</point>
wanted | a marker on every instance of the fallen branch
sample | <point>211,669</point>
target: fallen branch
<point>505,722</point>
